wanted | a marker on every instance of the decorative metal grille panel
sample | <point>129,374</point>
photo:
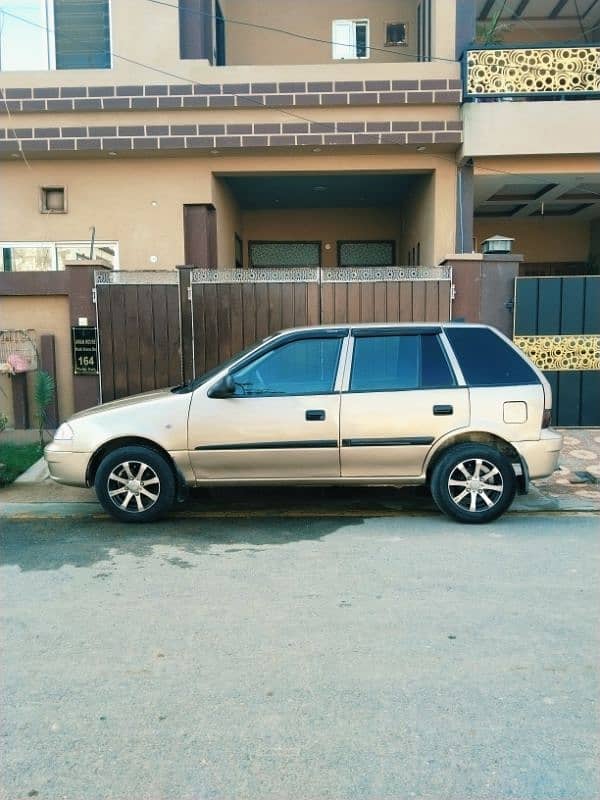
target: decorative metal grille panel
<point>562,352</point>
<point>368,274</point>
<point>285,254</point>
<point>270,275</point>
<point>376,254</point>
<point>130,277</point>
<point>533,70</point>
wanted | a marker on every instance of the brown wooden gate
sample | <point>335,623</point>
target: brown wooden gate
<point>138,331</point>
<point>232,309</point>
<point>394,294</point>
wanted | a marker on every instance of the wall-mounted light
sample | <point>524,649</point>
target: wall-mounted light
<point>496,245</point>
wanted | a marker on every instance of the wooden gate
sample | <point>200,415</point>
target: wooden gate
<point>139,332</point>
<point>557,323</point>
<point>232,309</point>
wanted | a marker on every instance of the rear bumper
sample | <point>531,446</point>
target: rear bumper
<point>65,466</point>
<point>541,456</point>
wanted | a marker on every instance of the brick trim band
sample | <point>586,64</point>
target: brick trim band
<point>206,137</point>
<point>229,95</point>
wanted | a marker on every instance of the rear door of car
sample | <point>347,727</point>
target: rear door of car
<point>400,396</point>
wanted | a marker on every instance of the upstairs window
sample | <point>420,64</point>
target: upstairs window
<point>54,34</point>
<point>350,38</point>
<point>396,34</point>
<point>53,200</point>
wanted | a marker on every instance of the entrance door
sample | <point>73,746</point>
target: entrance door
<point>282,422</point>
<point>401,397</point>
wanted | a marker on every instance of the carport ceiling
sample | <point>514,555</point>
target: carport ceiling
<point>563,12</point>
<point>321,191</point>
<point>552,195</point>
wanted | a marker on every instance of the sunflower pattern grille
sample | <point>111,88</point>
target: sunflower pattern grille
<point>562,353</point>
<point>529,71</point>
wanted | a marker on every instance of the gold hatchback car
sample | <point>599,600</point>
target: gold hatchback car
<point>455,406</point>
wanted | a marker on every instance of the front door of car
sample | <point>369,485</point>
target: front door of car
<point>282,420</point>
<point>399,398</point>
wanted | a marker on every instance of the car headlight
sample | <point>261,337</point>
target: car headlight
<point>64,433</point>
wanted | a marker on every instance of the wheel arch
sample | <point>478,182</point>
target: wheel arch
<point>480,437</point>
<point>127,441</point>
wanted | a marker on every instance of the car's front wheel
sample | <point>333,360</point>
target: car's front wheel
<point>473,483</point>
<point>135,484</point>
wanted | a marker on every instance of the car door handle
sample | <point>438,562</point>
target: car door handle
<point>315,415</point>
<point>443,411</point>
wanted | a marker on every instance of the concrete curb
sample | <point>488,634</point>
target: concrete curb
<point>37,473</point>
<point>89,510</point>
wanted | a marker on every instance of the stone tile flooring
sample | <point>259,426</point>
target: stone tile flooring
<point>580,454</point>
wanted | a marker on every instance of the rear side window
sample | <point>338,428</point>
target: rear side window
<point>393,363</point>
<point>487,360</point>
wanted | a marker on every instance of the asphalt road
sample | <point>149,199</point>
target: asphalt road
<point>300,659</point>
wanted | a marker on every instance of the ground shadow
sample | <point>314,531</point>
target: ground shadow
<point>275,517</point>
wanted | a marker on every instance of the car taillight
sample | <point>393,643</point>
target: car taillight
<point>546,418</point>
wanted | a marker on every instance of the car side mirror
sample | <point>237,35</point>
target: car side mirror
<point>223,388</point>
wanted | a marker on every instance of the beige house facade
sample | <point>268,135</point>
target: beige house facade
<point>345,133</point>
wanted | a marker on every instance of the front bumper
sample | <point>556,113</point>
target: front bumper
<point>541,456</point>
<point>65,466</point>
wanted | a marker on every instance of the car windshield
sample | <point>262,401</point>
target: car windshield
<point>200,379</point>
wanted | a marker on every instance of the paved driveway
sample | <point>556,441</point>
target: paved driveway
<point>339,657</point>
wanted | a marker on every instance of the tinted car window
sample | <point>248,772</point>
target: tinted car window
<point>304,366</point>
<point>435,370</point>
<point>383,363</point>
<point>487,360</point>
<point>387,363</point>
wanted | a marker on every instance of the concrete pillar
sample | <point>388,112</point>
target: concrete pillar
<point>484,288</point>
<point>464,208</point>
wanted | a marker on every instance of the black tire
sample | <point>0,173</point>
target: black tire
<point>469,477</point>
<point>145,496</point>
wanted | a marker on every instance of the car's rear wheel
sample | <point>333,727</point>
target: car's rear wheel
<point>135,484</point>
<point>473,483</point>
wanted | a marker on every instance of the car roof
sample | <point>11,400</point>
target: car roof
<point>375,325</point>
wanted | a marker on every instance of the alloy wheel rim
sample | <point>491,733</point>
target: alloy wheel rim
<point>133,486</point>
<point>475,485</point>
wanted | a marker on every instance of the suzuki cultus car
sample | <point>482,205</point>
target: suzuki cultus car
<point>455,406</point>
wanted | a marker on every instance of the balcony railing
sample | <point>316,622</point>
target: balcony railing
<point>532,72</point>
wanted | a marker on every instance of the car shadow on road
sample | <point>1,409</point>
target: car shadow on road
<point>228,520</point>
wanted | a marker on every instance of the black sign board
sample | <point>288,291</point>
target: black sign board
<point>84,342</point>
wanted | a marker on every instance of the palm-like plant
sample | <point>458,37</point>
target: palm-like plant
<point>44,390</point>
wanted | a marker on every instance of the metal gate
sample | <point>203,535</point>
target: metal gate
<point>231,309</point>
<point>139,332</point>
<point>557,323</point>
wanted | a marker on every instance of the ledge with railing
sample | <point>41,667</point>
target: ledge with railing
<point>541,72</point>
